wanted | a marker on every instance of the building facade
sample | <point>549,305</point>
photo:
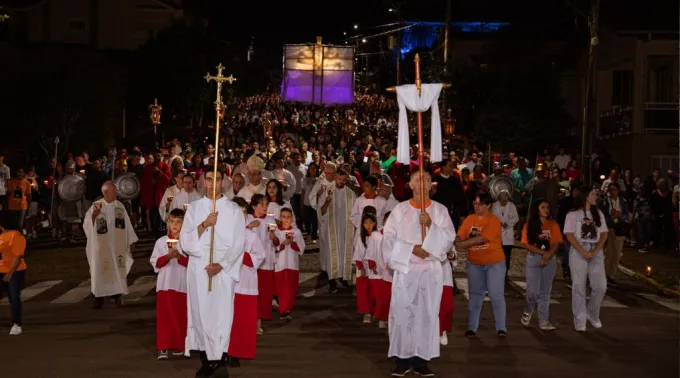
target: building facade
<point>103,24</point>
<point>637,99</point>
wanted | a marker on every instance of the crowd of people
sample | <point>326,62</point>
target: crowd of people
<point>292,176</point>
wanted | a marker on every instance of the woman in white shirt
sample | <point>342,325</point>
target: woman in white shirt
<point>586,231</point>
<point>507,213</point>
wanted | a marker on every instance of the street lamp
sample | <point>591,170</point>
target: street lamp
<point>450,124</point>
<point>363,40</point>
<point>356,26</point>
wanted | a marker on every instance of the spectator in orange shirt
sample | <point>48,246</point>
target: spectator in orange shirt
<point>12,268</point>
<point>541,237</point>
<point>480,234</point>
<point>18,197</point>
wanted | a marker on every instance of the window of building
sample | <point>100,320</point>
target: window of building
<point>622,88</point>
<point>663,82</point>
<point>77,25</point>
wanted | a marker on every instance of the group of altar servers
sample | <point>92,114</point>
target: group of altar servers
<point>216,305</point>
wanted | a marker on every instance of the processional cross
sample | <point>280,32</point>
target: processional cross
<point>219,107</point>
<point>419,118</point>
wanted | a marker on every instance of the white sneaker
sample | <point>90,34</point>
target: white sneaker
<point>16,330</point>
<point>595,323</point>
<point>526,319</point>
<point>275,303</point>
<point>444,340</point>
<point>382,324</point>
<point>367,319</point>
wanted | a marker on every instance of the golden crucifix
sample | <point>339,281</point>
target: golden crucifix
<point>419,118</point>
<point>219,79</point>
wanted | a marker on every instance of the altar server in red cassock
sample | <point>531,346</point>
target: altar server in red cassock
<point>290,245</point>
<point>381,283</point>
<point>171,289</point>
<point>244,327</point>
<point>365,269</point>
<point>447,303</point>
<point>260,223</point>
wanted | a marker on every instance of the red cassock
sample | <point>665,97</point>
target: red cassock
<point>171,314</point>
<point>382,292</point>
<point>153,184</point>
<point>266,289</point>
<point>364,292</point>
<point>446,310</point>
<point>287,275</point>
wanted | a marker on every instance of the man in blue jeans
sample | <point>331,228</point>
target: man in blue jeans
<point>12,268</point>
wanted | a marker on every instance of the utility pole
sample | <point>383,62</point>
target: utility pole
<point>447,32</point>
<point>590,104</point>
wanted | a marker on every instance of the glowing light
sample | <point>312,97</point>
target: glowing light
<point>356,26</point>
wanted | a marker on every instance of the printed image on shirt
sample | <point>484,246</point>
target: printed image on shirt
<point>18,192</point>
<point>120,260</point>
<point>475,231</point>
<point>543,241</point>
<point>120,220</point>
<point>102,227</point>
<point>588,230</point>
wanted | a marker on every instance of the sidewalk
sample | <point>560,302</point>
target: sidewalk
<point>665,269</point>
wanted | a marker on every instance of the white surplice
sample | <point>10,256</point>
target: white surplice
<point>336,233</point>
<point>508,215</point>
<point>172,276</point>
<point>288,179</point>
<point>262,232</point>
<point>391,203</point>
<point>184,198</point>
<point>109,238</point>
<point>417,284</point>
<point>358,206</point>
<point>211,312</point>
<point>321,183</point>
<point>247,285</point>
<point>169,192</point>
<point>370,254</point>
<point>274,209</point>
<point>250,190</point>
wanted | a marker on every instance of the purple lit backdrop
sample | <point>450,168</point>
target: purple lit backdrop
<point>322,75</point>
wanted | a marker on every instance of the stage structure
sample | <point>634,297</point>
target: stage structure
<point>318,74</point>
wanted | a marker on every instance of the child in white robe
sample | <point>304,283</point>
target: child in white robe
<point>244,327</point>
<point>447,302</point>
<point>290,245</point>
<point>171,289</point>
<point>382,286</point>
<point>364,246</point>
<point>260,222</point>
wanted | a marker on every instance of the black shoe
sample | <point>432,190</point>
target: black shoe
<point>611,282</point>
<point>502,334</point>
<point>98,303</point>
<point>234,362</point>
<point>220,370</point>
<point>470,333</point>
<point>206,370</point>
<point>423,371</point>
<point>400,371</point>
<point>119,302</point>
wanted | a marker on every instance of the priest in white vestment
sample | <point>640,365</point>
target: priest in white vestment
<point>165,207</point>
<point>257,184</point>
<point>418,278</point>
<point>110,242</point>
<point>323,184</point>
<point>211,312</point>
<point>187,195</point>
<point>238,181</point>
<point>336,231</point>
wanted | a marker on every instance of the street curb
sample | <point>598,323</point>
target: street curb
<point>651,281</point>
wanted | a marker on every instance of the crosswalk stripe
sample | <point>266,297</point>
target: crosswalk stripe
<point>672,304</point>
<point>523,286</point>
<point>141,287</point>
<point>462,285</point>
<point>76,294</point>
<point>612,303</point>
<point>34,290</point>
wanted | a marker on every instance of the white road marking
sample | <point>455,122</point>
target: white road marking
<point>76,294</point>
<point>141,287</point>
<point>32,291</point>
<point>670,303</point>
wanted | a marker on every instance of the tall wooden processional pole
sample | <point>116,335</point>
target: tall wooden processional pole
<point>219,79</point>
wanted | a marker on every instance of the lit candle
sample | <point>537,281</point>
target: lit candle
<point>82,171</point>
<point>270,215</point>
<point>649,271</point>
<point>172,242</point>
<point>601,177</point>
<point>272,226</point>
<point>186,206</point>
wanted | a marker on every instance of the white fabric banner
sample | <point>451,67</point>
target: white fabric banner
<point>408,98</point>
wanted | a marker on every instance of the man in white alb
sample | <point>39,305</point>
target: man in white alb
<point>211,311</point>
<point>418,278</point>
<point>110,242</point>
<point>170,193</point>
<point>238,181</point>
<point>187,195</point>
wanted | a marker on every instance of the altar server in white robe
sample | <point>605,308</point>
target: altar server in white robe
<point>211,312</point>
<point>276,200</point>
<point>285,177</point>
<point>336,231</point>
<point>257,184</point>
<point>110,242</point>
<point>418,278</point>
<point>244,329</point>
<point>260,222</point>
<point>238,181</point>
<point>290,245</point>
<point>368,198</point>
<point>385,191</point>
<point>187,195</point>
<point>323,184</point>
<point>166,202</point>
<point>366,246</point>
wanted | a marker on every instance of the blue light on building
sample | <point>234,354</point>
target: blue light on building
<point>425,34</point>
